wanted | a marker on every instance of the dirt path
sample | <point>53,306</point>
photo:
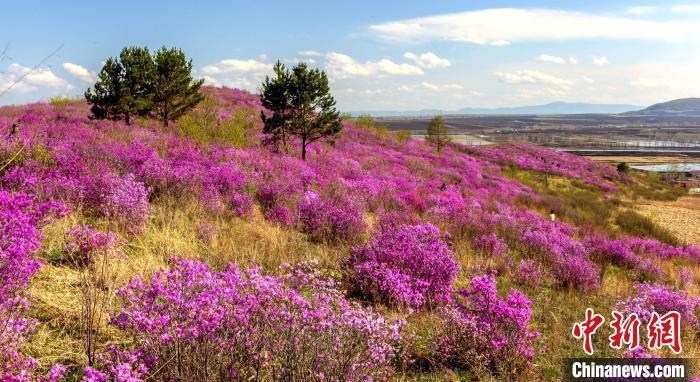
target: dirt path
<point>682,216</point>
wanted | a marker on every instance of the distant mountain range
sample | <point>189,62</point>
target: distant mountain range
<point>552,108</point>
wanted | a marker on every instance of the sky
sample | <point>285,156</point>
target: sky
<point>379,55</point>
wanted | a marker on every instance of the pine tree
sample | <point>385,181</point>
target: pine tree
<point>275,97</point>
<point>174,90</point>
<point>106,98</point>
<point>437,133</point>
<point>137,82</point>
<point>313,108</point>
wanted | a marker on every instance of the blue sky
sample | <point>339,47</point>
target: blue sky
<point>380,55</point>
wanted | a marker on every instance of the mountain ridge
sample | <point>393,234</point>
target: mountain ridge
<point>551,108</point>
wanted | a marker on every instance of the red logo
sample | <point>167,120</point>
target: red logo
<point>662,331</point>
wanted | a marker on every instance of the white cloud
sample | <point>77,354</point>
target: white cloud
<point>642,10</point>
<point>532,77</point>
<point>686,8</point>
<point>236,73</point>
<point>427,60</point>
<point>80,72</point>
<point>234,65</point>
<point>573,60</point>
<point>650,83</point>
<point>310,53</point>
<point>600,60</point>
<point>552,59</point>
<point>38,77</point>
<point>341,66</point>
<point>429,86</point>
<point>501,26</point>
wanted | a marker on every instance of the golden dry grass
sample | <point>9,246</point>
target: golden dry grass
<point>681,217</point>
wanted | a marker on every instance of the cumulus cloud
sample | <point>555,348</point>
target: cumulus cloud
<point>501,26</point>
<point>340,66</point>
<point>532,77</point>
<point>600,60</point>
<point>80,72</point>
<point>40,77</point>
<point>573,60</point>
<point>237,73</point>
<point>234,65</point>
<point>552,59</point>
<point>427,60</point>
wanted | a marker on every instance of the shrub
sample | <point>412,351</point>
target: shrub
<point>529,274</point>
<point>330,220</point>
<point>485,332</point>
<point>189,323</point>
<point>85,244</point>
<point>407,266</point>
<point>490,245</point>
<point>124,200</point>
<point>21,217</point>
<point>651,297</point>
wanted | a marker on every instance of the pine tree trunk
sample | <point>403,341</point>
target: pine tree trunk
<point>303,148</point>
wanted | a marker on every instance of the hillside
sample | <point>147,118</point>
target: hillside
<point>684,107</point>
<point>196,253</point>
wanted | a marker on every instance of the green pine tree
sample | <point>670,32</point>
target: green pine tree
<point>175,92</point>
<point>275,97</point>
<point>313,108</point>
<point>106,98</point>
<point>437,133</point>
<point>137,82</point>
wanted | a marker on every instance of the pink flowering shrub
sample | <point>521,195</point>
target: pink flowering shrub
<point>21,217</point>
<point>84,244</point>
<point>407,266</point>
<point>225,189</point>
<point>490,245</point>
<point>651,297</point>
<point>529,273</point>
<point>685,277</point>
<point>330,219</point>
<point>619,252</point>
<point>190,323</point>
<point>553,162</point>
<point>486,332</point>
<point>123,200</point>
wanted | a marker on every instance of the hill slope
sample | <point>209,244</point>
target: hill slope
<point>684,107</point>
<point>406,256</point>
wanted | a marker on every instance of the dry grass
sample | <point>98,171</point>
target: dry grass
<point>681,217</point>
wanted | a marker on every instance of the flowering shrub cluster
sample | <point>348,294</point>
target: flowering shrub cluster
<point>486,332</point>
<point>21,217</point>
<point>84,244</point>
<point>407,266</point>
<point>651,297</point>
<point>189,323</point>
<point>327,219</point>
<point>553,162</point>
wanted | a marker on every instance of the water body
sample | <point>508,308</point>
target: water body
<point>672,167</point>
<point>661,144</point>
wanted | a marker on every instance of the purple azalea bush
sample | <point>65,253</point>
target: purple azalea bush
<point>407,265</point>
